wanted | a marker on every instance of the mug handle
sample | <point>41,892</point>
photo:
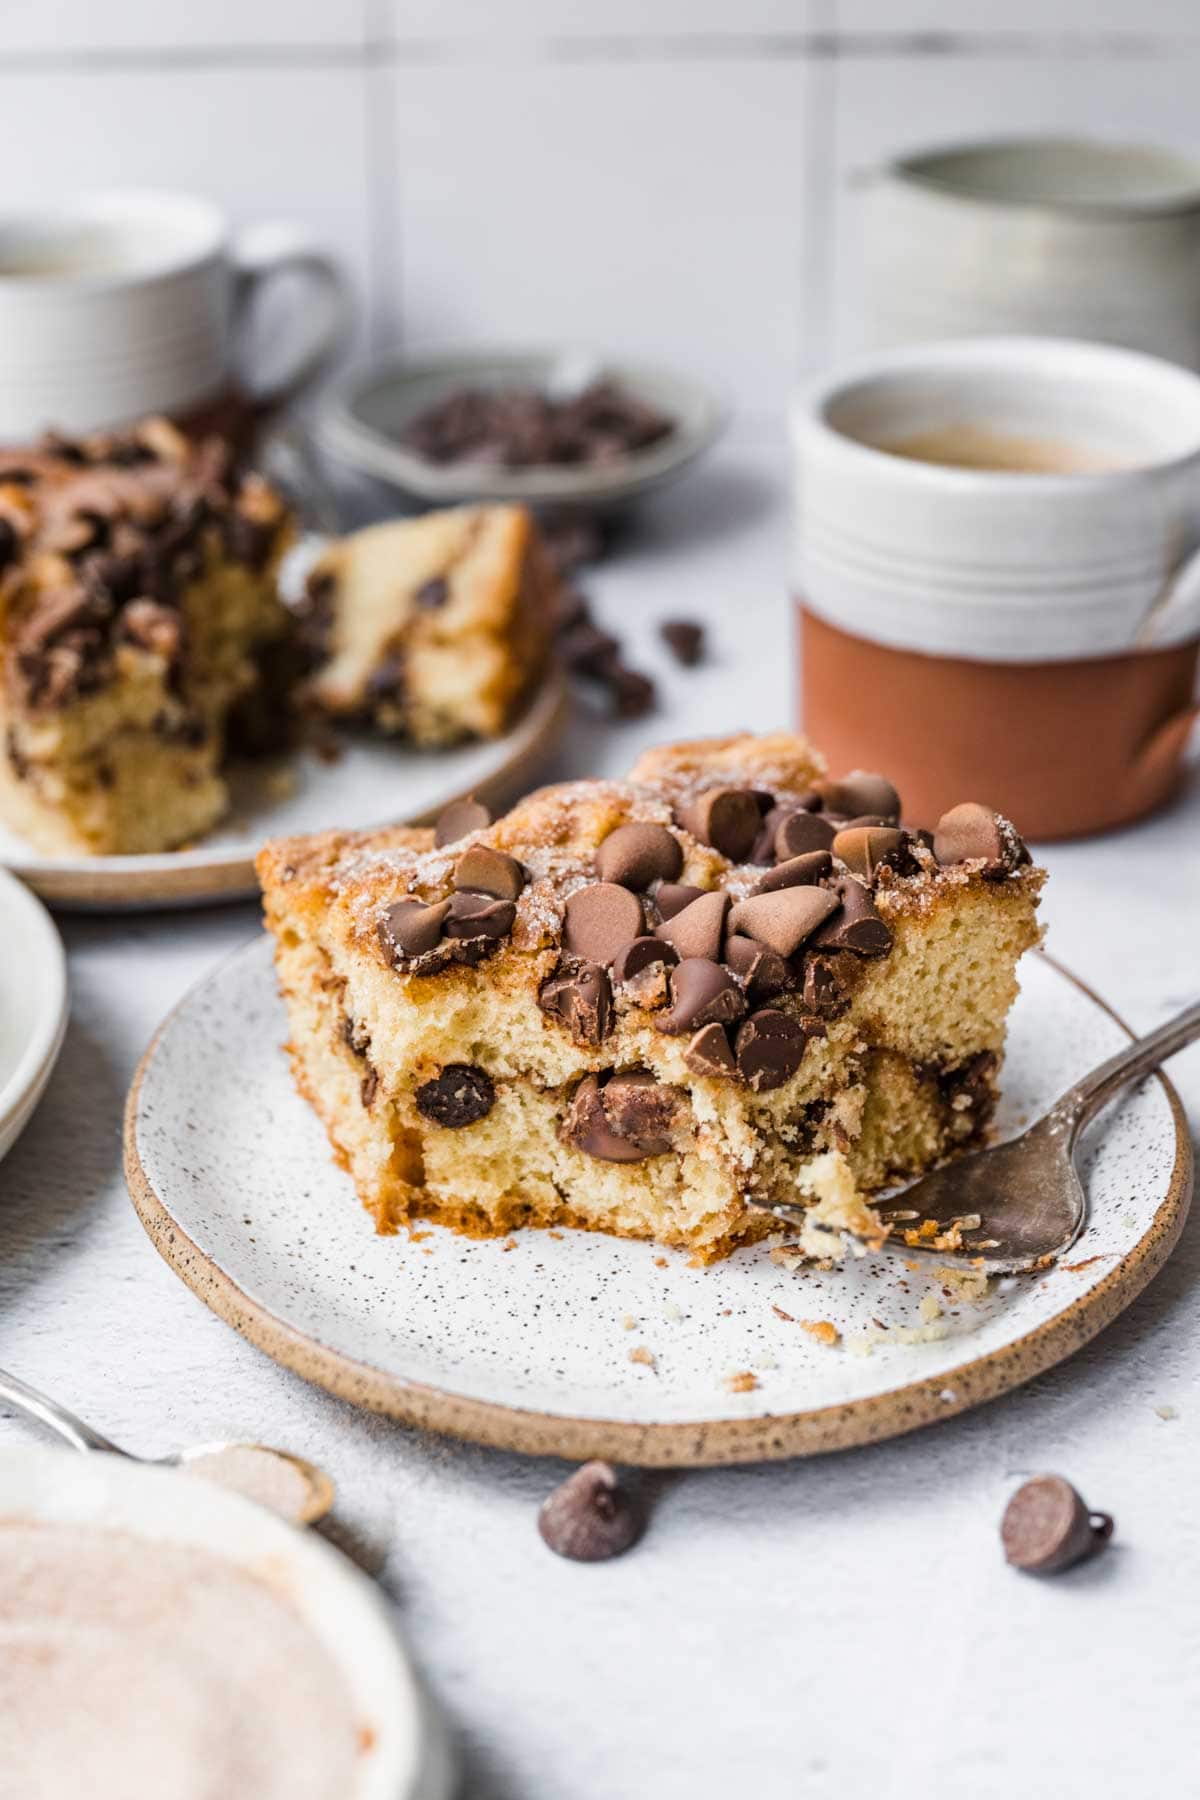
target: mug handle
<point>1179,595</point>
<point>258,254</point>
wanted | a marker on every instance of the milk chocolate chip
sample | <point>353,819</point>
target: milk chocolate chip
<point>461,1095</point>
<point>971,832</point>
<point>709,1053</point>
<point>823,994</point>
<point>866,848</point>
<point>698,929</point>
<point>783,921</point>
<point>600,920</point>
<point>411,928</point>
<point>483,871</point>
<point>671,897</point>
<point>588,1128</point>
<point>761,971</point>
<point>458,820</point>
<point>583,1001</point>
<point>642,1109</point>
<point>641,969</point>
<point>799,833</point>
<point>769,1048</point>
<point>591,1517</point>
<point>728,818</point>
<point>1046,1527</point>
<point>859,793</point>
<point>702,993</point>
<point>479,916</point>
<point>797,871</point>
<point>635,855</point>
<point>856,925</point>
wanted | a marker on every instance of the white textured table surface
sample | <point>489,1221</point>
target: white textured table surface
<point>839,1627</point>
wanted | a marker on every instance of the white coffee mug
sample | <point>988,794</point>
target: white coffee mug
<point>1035,236</point>
<point>127,303</point>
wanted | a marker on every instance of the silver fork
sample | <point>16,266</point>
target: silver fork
<point>1026,1194</point>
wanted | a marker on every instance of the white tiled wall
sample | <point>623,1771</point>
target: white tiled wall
<point>675,177</point>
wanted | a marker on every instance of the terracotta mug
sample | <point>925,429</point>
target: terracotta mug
<point>998,576</point>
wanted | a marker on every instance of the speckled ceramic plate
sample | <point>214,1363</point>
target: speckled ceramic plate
<point>528,1343</point>
<point>372,783</point>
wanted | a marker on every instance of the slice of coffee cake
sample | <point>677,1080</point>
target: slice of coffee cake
<point>433,627</point>
<point>630,1006</point>
<point>137,603</point>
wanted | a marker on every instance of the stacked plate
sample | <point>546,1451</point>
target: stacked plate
<point>33,1005</point>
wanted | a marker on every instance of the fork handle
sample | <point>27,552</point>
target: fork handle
<point>38,1406</point>
<point>1083,1101</point>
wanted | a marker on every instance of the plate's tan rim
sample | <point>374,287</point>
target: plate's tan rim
<point>675,1444</point>
<point>75,883</point>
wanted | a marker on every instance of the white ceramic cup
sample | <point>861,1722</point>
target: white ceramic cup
<point>1038,236</point>
<point>1027,639</point>
<point>128,303</point>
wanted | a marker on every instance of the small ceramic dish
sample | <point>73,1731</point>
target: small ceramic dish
<point>404,1753</point>
<point>363,428</point>
<point>33,1005</point>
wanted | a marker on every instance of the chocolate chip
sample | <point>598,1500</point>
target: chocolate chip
<point>411,928</point>
<point>572,539</point>
<point>586,649</point>
<point>823,994</point>
<point>797,871</point>
<point>685,639</point>
<point>671,897</point>
<point>635,855</point>
<point>859,793</point>
<point>461,1095</point>
<point>784,920</point>
<point>458,820</point>
<point>479,916</point>
<point>709,1053</point>
<point>641,969</point>
<point>583,1001</point>
<point>600,920</point>
<point>432,594</point>
<point>1046,1527</point>
<point>702,993</point>
<point>970,832</point>
<point>591,1517</point>
<point>587,1127</point>
<point>800,833</point>
<point>481,870</point>
<point>368,1087</point>
<point>9,542</point>
<point>641,1108</point>
<point>867,848</point>
<point>856,925</point>
<point>769,1047</point>
<point>728,818</point>
<point>761,971</point>
<point>633,693</point>
<point>699,928</point>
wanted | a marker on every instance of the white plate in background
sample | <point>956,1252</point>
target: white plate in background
<point>33,1005</point>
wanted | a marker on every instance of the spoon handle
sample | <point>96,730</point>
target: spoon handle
<point>27,1399</point>
<point>1084,1100</point>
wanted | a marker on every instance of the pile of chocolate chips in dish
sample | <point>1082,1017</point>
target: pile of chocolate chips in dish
<point>522,428</point>
<point>573,540</point>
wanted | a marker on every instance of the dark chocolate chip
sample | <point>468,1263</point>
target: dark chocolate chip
<point>702,993</point>
<point>591,1517</point>
<point>586,649</point>
<point>866,848</point>
<point>479,916</point>
<point>9,542</point>
<point>699,928</point>
<point>583,1001</point>
<point>432,593</point>
<point>481,870</point>
<point>634,855</point>
<point>784,920</point>
<point>671,897</point>
<point>970,833</point>
<point>709,1053</point>
<point>685,640</point>
<point>823,994</point>
<point>800,833</point>
<point>1046,1527</point>
<point>856,925</point>
<point>859,793</point>
<point>633,693</point>
<point>461,1095</point>
<point>728,818</point>
<point>761,971</point>
<point>769,1047</point>
<point>797,871</point>
<point>458,820</point>
<point>411,928</point>
<point>601,919</point>
<point>586,1127</point>
<point>641,1108</point>
<point>641,969</point>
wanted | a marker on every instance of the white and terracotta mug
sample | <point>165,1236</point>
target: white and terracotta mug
<point>129,303</point>
<point>998,576</point>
